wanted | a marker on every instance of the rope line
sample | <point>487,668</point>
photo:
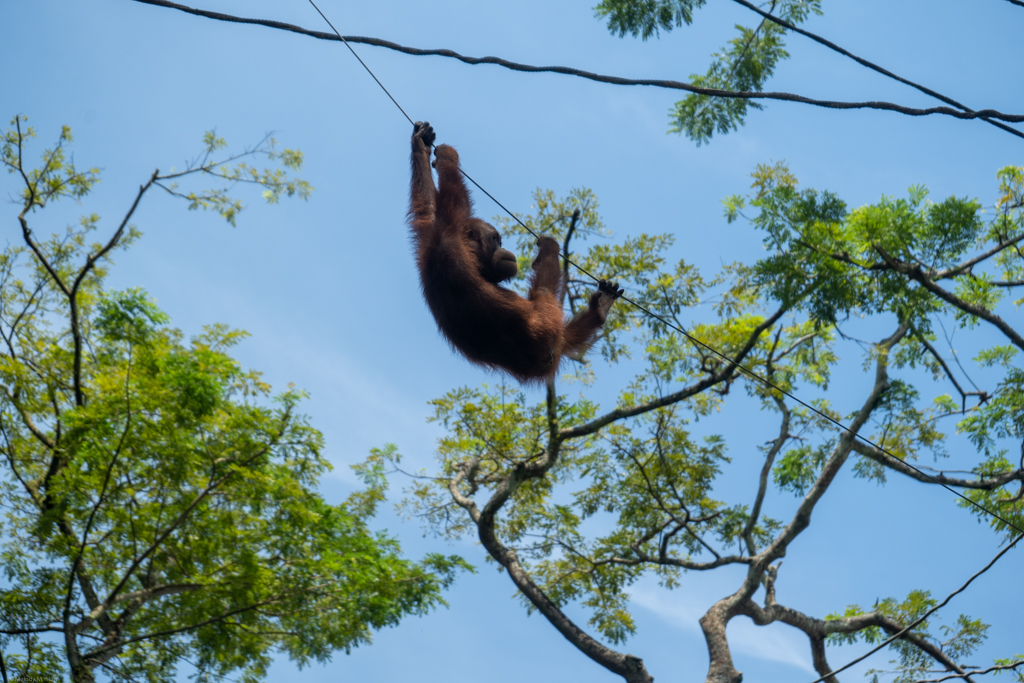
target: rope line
<point>679,329</point>
<point>983,114</point>
<point>744,370</point>
<point>924,616</point>
<point>354,54</point>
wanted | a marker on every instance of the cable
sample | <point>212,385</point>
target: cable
<point>738,366</point>
<point>679,329</point>
<point>361,61</point>
<point>924,616</point>
<point>983,114</point>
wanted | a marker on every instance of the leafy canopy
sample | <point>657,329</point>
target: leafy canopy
<point>160,502</point>
<point>578,502</point>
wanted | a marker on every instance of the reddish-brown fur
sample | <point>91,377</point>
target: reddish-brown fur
<point>461,265</point>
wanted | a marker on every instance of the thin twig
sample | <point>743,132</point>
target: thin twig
<point>998,667</point>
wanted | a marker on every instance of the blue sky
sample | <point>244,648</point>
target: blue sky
<point>329,291</point>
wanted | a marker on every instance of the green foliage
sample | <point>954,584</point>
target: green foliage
<point>645,18</point>
<point>128,316</point>
<point>56,178</point>
<point>1012,666</point>
<point>744,65</point>
<point>975,291</point>
<point>798,468</point>
<point>957,641</point>
<point>159,502</point>
<point>274,181</point>
<point>590,499</point>
<point>856,257</point>
<point>634,264</point>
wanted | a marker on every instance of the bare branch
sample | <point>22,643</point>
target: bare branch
<point>918,275</point>
<point>766,469</point>
<point>642,557</point>
<point>90,263</point>
<point>817,629</point>
<point>565,260</point>
<point>930,612</point>
<point>977,672</point>
<point>982,395</point>
<point>883,458</point>
<point>631,668</point>
<point>30,630</point>
<point>802,518</point>
<point>26,233</point>
<point>970,263</point>
<point>714,622</point>
<point>466,471</point>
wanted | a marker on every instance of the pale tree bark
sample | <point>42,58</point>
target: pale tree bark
<point>721,668</point>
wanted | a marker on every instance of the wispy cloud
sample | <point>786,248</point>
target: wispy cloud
<point>682,609</point>
<point>355,406</point>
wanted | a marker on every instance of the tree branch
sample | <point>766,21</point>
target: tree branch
<point>982,395</point>
<point>930,612</point>
<point>100,498</point>
<point>90,263</point>
<point>978,672</point>
<point>30,630</point>
<point>95,654</point>
<point>26,420</point>
<point>917,274</point>
<point>802,518</point>
<point>817,629</point>
<point>883,458</point>
<point>631,668</point>
<point>714,622</point>
<point>692,390</point>
<point>970,263</point>
<point>565,258</point>
<point>766,470</point>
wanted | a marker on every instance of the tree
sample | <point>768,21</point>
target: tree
<point>531,481</point>
<point>534,482</point>
<point>160,504</point>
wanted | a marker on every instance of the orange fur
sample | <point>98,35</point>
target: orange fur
<point>490,325</point>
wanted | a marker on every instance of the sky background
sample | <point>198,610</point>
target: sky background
<point>330,295</point>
